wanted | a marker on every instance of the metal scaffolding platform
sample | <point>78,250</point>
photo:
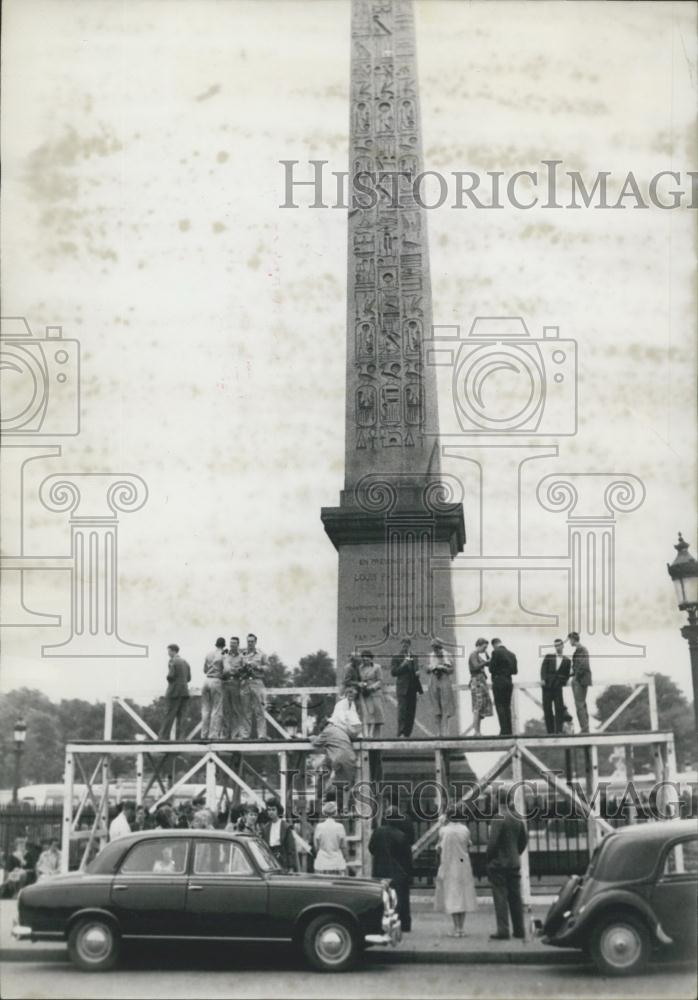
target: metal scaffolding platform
<point>152,762</point>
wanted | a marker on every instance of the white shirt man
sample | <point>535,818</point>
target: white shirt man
<point>345,716</point>
<point>119,826</point>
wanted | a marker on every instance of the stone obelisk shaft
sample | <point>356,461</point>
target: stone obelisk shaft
<point>398,523</point>
<point>391,419</point>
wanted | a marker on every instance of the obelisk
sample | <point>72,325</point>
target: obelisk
<point>399,522</point>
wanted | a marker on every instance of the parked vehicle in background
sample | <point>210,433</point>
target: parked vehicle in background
<point>639,894</point>
<point>205,884</point>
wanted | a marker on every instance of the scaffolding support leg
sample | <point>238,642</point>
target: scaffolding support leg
<point>69,777</point>
<point>520,806</point>
<point>364,810</point>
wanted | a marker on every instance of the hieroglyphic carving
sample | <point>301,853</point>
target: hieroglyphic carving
<point>387,253</point>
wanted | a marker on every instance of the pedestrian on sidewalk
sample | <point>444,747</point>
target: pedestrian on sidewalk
<point>392,859</point>
<point>455,886</point>
<point>330,840</point>
<point>507,842</point>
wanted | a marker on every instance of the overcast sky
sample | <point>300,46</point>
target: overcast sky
<point>141,199</point>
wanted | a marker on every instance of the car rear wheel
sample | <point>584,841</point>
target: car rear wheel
<point>620,945</point>
<point>330,944</point>
<point>94,944</point>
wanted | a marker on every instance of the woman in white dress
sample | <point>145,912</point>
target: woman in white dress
<point>455,886</point>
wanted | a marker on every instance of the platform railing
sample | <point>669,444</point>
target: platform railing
<point>524,692</point>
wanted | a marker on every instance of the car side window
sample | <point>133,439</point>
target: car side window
<point>682,859</point>
<point>216,857</point>
<point>156,857</point>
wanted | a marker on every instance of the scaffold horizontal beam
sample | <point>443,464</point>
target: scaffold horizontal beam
<point>464,744</point>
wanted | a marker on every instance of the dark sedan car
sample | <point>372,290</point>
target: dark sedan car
<point>205,885</point>
<point>640,892</point>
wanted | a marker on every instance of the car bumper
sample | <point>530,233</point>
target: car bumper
<point>392,931</point>
<point>22,933</point>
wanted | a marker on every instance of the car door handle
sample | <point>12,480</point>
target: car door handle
<point>195,888</point>
<point>120,888</point>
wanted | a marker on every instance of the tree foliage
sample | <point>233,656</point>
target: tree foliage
<point>673,708</point>
<point>317,670</point>
<point>50,725</point>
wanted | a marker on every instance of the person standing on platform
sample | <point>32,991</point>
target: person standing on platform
<point>506,843</point>
<point>407,687</point>
<point>479,692</point>
<point>252,700</point>
<point>352,678</point>
<point>455,886</point>
<point>554,674</point>
<point>503,666</point>
<point>581,680</point>
<point>392,859</point>
<point>177,694</point>
<point>371,688</point>
<point>440,669</point>
<point>212,694</point>
<point>232,712</point>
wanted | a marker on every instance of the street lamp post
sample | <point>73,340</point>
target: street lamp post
<point>684,574</point>
<point>19,736</point>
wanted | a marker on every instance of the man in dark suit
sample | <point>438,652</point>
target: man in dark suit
<point>554,674</point>
<point>407,687</point>
<point>507,841</point>
<point>177,695</point>
<point>581,680</point>
<point>502,667</point>
<point>392,859</point>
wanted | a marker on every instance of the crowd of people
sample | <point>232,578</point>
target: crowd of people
<point>27,863</point>
<point>246,818</point>
<point>233,698</point>
<point>232,693</point>
<point>391,848</point>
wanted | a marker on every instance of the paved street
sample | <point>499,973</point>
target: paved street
<point>186,976</point>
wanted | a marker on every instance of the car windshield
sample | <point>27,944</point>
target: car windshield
<point>263,856</point>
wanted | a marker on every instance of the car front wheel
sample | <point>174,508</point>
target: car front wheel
<point>329,944</point>
<point>620,945</point>
<point>93,945</point>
